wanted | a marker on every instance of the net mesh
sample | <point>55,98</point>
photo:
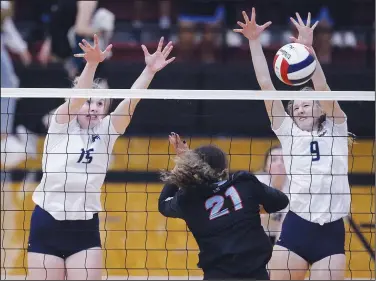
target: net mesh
<point>137,241</point>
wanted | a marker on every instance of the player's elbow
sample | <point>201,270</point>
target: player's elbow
<point>162,207</point>
<point>281,203</point>
<point>167,210</point>
<point>120,123</point>
<point>284,202</point>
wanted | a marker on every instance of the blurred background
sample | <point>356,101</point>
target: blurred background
<point>209,55</point>
<point>38,40</point>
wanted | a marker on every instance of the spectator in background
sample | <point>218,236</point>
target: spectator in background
<point>71,21</point>
<point>210,15</point>
<point>323,40</point>
<point>273,174</point>
<point>164,21</point>
<point>12,145</point>
<point>11,38</point>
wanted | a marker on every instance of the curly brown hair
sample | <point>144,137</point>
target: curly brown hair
<point>204,165</point>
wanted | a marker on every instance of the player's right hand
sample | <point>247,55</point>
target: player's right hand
<point>93,54</point>
<point>305,36</point>
<point>158,60</point>
<point>179,145</point>
<point>250,29</point>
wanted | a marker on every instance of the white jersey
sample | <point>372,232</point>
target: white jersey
<point>317,167</point>
<point>75,162</point>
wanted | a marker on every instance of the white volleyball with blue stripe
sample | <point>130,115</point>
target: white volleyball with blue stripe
<point>294,64</point>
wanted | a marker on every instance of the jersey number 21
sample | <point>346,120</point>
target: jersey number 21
<point>215,203</point>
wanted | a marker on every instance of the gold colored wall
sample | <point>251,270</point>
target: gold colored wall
<point>138,241</point>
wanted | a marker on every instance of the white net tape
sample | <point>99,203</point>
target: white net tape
<point>190,94</point>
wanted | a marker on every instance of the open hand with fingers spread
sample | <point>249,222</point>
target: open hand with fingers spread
<point>93,54</point>
<point>305,36</point>
<point>179,145</point>
<point>158,60</point>
<point>250,29</point>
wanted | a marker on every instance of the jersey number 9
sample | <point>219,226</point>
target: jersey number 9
<point>215,203</point>
<point>315,151</point>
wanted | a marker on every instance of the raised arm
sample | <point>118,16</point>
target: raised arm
<point>168,202</point>
<point>93,56</point>
<point>122,115</point>
<point>305,37</point>
<point>252,31</point>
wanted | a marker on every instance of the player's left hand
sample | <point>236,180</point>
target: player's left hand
<point>179,145</point>
<point>305,30</point>
<point>250,29</point>
<point>93,53</point>
<point>158,60</point>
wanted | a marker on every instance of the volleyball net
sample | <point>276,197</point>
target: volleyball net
<point>137,241</point>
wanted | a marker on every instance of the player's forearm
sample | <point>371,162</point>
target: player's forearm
<point>123,113</point>
<point>260,65</point>
<point>127,107</point>
<point>274,108</point>
<point>85,81</point>
<point>331,108</point>
<point>167,203</point>
<point>71,107</point>
<point>169,190</point>
<point>144,80</point>
<point>273,199</point>
<point>318,77</point>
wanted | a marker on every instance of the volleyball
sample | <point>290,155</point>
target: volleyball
<point>294,64</point>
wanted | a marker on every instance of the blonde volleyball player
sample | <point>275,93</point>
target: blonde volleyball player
<point>273,174</point>
<point>64,240</point>
<point>314,140</point>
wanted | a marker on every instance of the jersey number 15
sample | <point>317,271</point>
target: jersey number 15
<point>215,203</point>
<point>86,154</point>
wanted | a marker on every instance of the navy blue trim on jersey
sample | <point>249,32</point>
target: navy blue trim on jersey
<point>62,238</point>
<point>312,241</point>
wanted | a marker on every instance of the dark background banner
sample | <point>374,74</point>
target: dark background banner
<point>201,117</point>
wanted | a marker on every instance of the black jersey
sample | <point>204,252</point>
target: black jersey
<point>225,220</point>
